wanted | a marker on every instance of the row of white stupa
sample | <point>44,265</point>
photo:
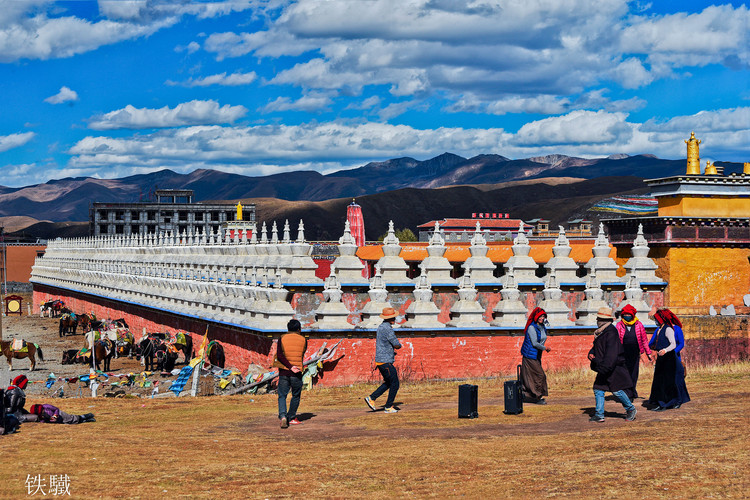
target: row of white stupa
<point>207,277</point>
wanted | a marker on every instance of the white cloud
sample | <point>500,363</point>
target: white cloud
<point>233,80</point>
<point>576,128</point>
<point>185,114</point>
<point>631,74</point>
<point>722,120</point>
<point>510,52</point>
<point>40,29</point>
<point>310,103</point>
<point>65,95</point>
<point>15,140</point>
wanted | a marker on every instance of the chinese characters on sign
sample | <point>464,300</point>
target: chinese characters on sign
<point>58,484</point>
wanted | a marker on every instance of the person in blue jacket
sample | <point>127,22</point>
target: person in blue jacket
<point>533,378</point>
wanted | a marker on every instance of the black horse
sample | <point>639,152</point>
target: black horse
<point>156,355</point>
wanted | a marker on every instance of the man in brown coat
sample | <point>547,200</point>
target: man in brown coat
<point>290,355</point>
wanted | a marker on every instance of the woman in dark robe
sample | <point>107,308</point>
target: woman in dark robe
<point>635,344</point>
<point>682,393</point>
<point>533,378</point>
<point>664,392</point>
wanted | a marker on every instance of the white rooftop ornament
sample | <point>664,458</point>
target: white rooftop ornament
<point>391,264</point>
<point>510,311</point>
<point>467,312</point>
<point>332,314</point>
<point>436,267</point>
<point>564,267</point>
<point>601,263</point>
<point>347,267</point>
<point>521,264</point>
<point>422,313</point>
<point>639,264</point>
<point>378,301</point>
<point>557,311</point>
<point>479,266</point>
<point>634,296</point>
<point>594,300</point>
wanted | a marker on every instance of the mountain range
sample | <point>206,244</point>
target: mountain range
<point>494,178</point>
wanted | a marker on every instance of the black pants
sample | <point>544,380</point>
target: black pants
<point>285,383</point>
<point>632,363</point>
<point>390,384</point>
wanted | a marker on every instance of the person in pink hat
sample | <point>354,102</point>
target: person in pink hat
<point>385,345</point>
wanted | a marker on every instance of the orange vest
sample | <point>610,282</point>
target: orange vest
<point>293,345</point>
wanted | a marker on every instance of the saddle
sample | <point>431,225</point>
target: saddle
<point>19,345</point>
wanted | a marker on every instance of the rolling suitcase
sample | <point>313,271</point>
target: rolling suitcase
<point>513,395</point>
<point>467,401</point>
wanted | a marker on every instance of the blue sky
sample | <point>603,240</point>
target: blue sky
<point>114,88</point>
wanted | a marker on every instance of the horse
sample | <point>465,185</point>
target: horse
<point>32,350</point>
<point>70,357</point>
<point>85,320</point>
<point>103,351</point>
<point>52,306</point>
<point>124,344</point>
<point>186,349</point>
<point>215,354</point>
<point>68,324</point>
<point>156,354</point>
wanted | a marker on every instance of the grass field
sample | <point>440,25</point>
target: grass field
<point>232,447</point>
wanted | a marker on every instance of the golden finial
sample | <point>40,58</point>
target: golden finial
<point>693,155</point>
<point>710,169</point>
<point>746,168</point>
<point>239,210</point>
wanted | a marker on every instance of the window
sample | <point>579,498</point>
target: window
<point>151,229</point>
<point>151,215</point>
<point>183,216</point>
<point>103,214</point>
<point>102,229</point>
<point>119,229</point>
<point>119,215</point>
<point>230,216</point>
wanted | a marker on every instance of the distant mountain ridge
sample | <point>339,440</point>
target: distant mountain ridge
<point>69,199</point>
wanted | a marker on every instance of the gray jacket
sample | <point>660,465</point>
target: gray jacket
<point>385,342</point>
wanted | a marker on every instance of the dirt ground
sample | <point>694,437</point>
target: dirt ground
<point>232,446</point>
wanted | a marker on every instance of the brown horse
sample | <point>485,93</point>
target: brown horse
<point>32,350</point>
<point>104,350</point>
<point>68,324</point>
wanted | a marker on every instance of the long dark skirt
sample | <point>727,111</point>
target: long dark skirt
<point>533,379</point>
<point>664,386</point>
<point>682,392</point>
<point>632,363</point>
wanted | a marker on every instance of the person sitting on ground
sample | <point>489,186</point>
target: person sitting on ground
<point>608,361</point>
<point>50,414</point>
<point>290,355</point>
<point>385,343</point>
<point>533,378</point>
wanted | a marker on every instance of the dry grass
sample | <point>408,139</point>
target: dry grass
<point>232,447</point>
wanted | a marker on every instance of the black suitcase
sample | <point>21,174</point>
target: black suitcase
<point>467,401</point>
<point>513,395</point>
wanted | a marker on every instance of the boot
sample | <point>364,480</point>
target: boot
<point>88,417</point>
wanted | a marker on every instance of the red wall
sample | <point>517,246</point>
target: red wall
<point>423,356</point>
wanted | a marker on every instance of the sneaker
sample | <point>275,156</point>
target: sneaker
<point>676,406</point>
<point>369,403</point>
<point>596,418</point>
<point>284,423</point>
<point>630,415</point>
<point>540,401</point>
<point>660,408</point>
<point>390,410</point>
<point>294,421</point>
